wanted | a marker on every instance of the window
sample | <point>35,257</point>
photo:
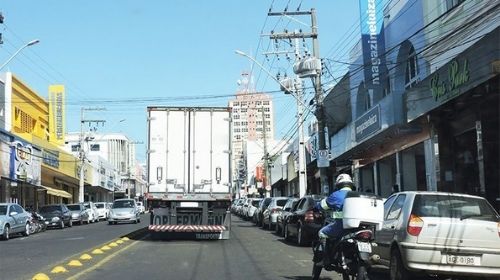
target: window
<point>236,123</point>
<point>265,102</point>
<point>95,147</point>
<point>243,110</point>
<point>267,116</point>
<point>450,4</point>
<point>75,148</point>
<point>258,103</point>
<point>236,103</point>
<point>388,204</point>
<point>387,89</point>
<point>367,102</point>
<point>396,208</point>
<point>268,129</point>
<point>267,109</point>
<point>411,71</point>
<point>237,130</point>
<point>236,117</point>
<point>238,137</point>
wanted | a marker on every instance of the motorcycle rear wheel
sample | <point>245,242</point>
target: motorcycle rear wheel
<point>362,273</point>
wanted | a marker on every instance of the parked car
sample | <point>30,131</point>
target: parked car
<point>269,217</point>
<point>13,219</point>
<point>56,215</point>
<point>141,207</point>
<point>239,206</point>
<point>102,210</point>
<point>303,223</point>
<point>280,219</point>
<point>259,213</point>
<point>79,213</point>
<point>124,210</point>
<point>92,210</point>
<point>252,207</point>
<point>234,204</point>
<point>440,234</point>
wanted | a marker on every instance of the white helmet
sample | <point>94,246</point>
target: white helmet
<point>344,180</point>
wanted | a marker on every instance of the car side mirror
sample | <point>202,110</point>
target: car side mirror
<point>13,213</point>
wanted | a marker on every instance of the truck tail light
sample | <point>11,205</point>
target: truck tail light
<point>415,224</point>
<point>309,216</point>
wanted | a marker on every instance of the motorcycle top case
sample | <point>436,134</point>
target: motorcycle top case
<point>359,209</point>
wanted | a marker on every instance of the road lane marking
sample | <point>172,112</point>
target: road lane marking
<point>85,257</point>
<point>75,263</point>
<point>59,269</point>
<point>105,248</point>
<point>97,252</point>
<point>102,262</point>
<point>40,276</point>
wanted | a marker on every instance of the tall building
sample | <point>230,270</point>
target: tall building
<point>253,119</point>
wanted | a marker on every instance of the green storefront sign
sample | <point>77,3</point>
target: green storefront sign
<point>458,75</point>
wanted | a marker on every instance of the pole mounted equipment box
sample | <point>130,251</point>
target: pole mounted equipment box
<point>189,171</point>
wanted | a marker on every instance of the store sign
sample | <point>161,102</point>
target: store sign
<point>51,158</point>
<point>372,43</point>
<point>368,124</point>
<point>447,88</point>
<point>56,113</point>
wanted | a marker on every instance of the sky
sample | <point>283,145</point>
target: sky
<point>125,55</point>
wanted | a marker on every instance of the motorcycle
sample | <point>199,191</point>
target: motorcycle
<point>37,222</point>
<point>350,255</point>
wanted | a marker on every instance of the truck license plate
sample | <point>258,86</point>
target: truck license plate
<point>463,260</point>
<point>364,247</point>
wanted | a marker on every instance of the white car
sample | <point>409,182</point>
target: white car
<point>124,210</point>
<point>141,207</point>
<point>102,210</point>
<point>92,210</point>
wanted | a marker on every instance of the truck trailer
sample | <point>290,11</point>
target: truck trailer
<point>189,172</point>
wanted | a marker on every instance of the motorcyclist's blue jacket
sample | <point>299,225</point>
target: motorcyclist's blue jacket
<point>334,201</point>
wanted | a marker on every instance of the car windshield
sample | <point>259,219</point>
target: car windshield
<point>3,209</point>
<point>50,208</point>
<point>454,206</point>
<point>99,205</point>
<point>74,207</point>
<point>123,204</point>
<point>255,203</point>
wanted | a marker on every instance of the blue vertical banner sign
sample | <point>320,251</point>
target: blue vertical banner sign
<point>373,46</point>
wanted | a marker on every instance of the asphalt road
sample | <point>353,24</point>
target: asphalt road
<point>23,257</point>
<point>250,253</point>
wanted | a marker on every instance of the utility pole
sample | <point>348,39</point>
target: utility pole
<point>294,87</point>
<point>311,67</point>
<point>81,153</point>
<point>267,178</point>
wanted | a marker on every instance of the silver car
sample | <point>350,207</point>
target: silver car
<point>439,233</point>
<point>124,210</point>
<point>271,213</point>
<point>13,219</point>
<point>79,213</point>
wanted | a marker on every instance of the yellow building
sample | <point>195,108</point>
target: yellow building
<point>31,118</point>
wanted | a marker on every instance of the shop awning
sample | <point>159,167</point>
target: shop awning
<point>56,192</point>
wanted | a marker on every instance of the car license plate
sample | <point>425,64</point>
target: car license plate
<point>364,247</point>
<point>463,260</point>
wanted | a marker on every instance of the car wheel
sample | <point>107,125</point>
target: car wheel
<point>139,221</point>
<point>61,226</point>
<point>285,233</point>
<point>70,223</point>
<point>110,223</point>
<point>301,240</point>
<point>6,232</point>
<point>397,269</point>
<point>27,229</point>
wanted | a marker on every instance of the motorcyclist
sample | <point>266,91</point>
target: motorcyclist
<point>334,202</point>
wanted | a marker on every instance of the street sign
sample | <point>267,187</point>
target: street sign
<point>323,160</point>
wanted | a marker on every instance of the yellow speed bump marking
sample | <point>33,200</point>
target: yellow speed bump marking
<point>75,263</point>
<point>112,244</point>
<point>40,276</point>
<point>58,269</point>
<point>85,257</point>
<point>119,241</point>
<point>105,248</point>
<point>125,239</point>
<point>97,252</point>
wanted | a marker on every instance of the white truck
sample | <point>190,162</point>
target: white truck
<point>189,172</point>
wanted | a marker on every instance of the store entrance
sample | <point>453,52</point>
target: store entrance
<point>466,164</point>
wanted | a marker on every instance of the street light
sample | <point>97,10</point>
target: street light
<point>29,44</point>
<point>274,78</point>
